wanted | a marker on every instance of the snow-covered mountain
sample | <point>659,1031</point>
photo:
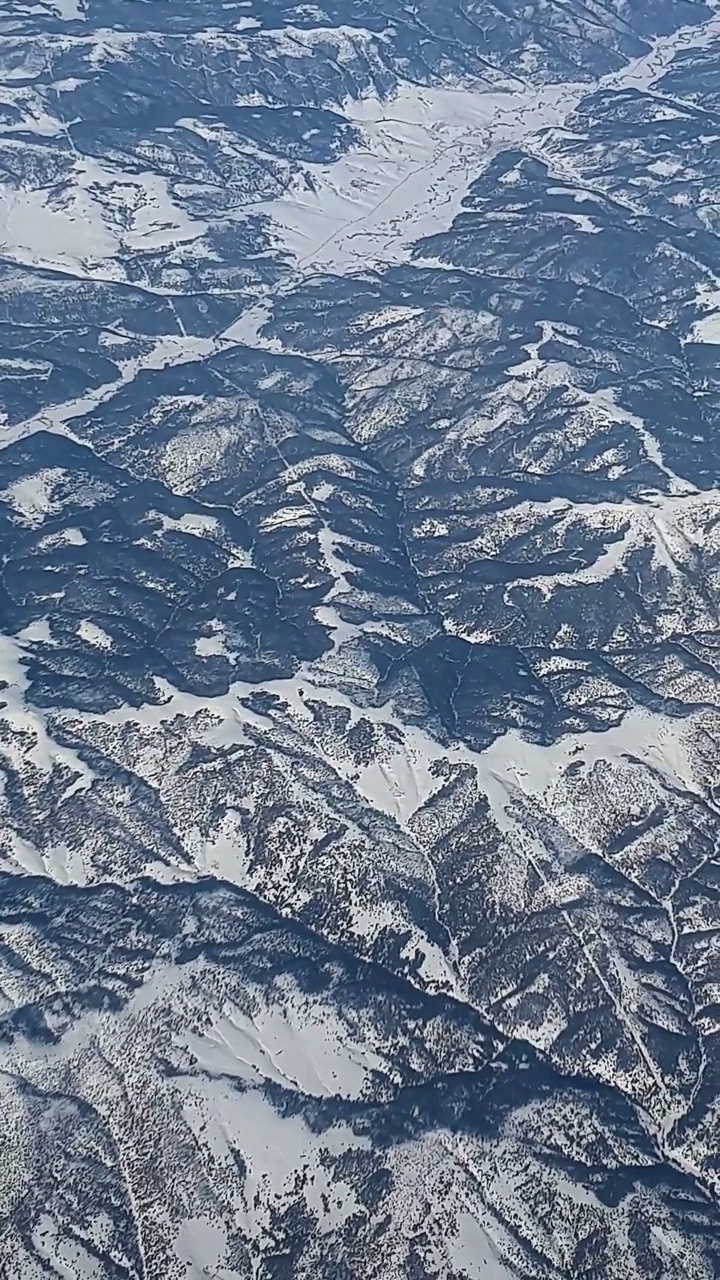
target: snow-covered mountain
<point>360,640</point>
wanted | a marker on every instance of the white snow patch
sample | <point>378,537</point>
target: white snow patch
<point>214,645</point>
<point>196,523</point>
<point>322,491</point>
<point>399,786</point>
<point>209,646</point>
<point>408,175</point>
<point>32,497</point>
<point>274,1149</point>
<point>707,328</point>
<point>300,1046</point>
<point>99,213</point>
<point>28,723</point>
<point>201,525</point>
<point>38,631</point>
<point>70,10</point>
<point>37,232</point>
<point>94,635</point>
<point>63,538</point>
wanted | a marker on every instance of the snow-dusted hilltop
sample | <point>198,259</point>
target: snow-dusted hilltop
<point>359,636</point>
